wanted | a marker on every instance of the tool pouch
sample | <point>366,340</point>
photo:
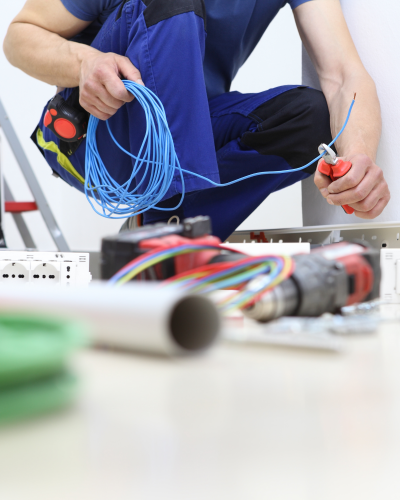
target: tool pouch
<point>67,148</point>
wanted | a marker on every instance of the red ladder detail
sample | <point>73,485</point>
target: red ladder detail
<point>20,206</point>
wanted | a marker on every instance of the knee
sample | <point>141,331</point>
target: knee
<point>315,107</point>
<point>292,126</point>
<point>316,121</point>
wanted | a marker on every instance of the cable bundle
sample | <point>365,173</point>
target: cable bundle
<point>240,275</point>
<point>154,257</point>
<point>252,277</point>
<point>156,162</point>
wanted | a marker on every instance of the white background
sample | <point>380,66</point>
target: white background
<point>276,61</point>
<point>374,28</point>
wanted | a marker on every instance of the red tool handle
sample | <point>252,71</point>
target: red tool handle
<point>335,172</point>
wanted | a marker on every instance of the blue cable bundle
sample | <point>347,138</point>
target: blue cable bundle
<point>156,158</point>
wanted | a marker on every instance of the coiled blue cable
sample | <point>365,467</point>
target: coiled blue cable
<point>156,162</point>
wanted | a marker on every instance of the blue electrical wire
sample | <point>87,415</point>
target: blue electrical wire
<point>155,163</point>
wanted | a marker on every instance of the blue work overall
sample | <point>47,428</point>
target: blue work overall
<point>224,138</point>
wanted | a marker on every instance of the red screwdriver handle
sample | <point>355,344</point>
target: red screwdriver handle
<point>335,172</point>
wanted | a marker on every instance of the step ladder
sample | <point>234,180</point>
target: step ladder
<point>17,208</point>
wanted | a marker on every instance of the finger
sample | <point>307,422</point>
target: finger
<point>116,88</point>
<point>356,194</point>
<point>92,100</point>
<point>322,182</point>
<point>352,179</point>
<point>95,111</point>
<point>93,90</point>
<point>114,85</point>
<point>108,99</point>
<point>370,201</point>
<point>101,106</point>
<point>377,210</point>
<point>128,71</point>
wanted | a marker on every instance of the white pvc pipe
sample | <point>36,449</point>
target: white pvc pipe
<point>143,317</point>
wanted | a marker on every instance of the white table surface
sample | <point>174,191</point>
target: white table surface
<point>237,423</point>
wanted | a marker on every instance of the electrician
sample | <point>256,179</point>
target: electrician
<point>188,52</point>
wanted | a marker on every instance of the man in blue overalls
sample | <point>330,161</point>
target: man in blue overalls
<point>188,52</point>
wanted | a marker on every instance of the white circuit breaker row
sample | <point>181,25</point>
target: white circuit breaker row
<point>390,282</point>
<point>72,269</point>
<point>51,268</point>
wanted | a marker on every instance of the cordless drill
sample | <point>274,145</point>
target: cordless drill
<point>326,280</point>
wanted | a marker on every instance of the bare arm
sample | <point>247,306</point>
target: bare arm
<point>326,37</point>
<point>37,43</point>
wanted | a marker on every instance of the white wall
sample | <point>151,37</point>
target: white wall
<point>374,28</point>
<point>276,61</point>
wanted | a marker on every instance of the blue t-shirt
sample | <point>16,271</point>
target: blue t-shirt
<point>234,27</point>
